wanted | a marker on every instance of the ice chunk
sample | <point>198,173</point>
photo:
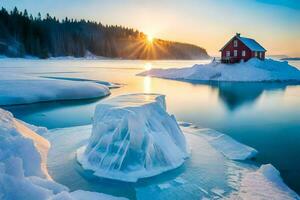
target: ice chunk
<point>21,89</point>
<point>133,137</point>
<point>254,70</point>
<point>223,143</point>
<point>265,183</point>
<point>229,147</point>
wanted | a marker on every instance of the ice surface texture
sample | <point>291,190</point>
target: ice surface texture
<point>254,70</point>
<point>229,147</point>
<point>133,137</point>
<point>22,89</point>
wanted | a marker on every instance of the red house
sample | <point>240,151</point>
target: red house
<point>241,49</point>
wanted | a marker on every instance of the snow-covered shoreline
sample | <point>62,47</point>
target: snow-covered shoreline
<point>23,172</point>
<point>254,70</point>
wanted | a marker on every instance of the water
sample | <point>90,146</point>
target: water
<point>265,116</point>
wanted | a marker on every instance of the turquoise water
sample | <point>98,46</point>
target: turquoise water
<point>265,116</point>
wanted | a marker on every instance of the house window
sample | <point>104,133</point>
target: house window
<point>235,43</point>
<point>260,54</point>
<point>255,54</point>
<point>227,53</point>
<point>235,52</point>
<point>243,53</point>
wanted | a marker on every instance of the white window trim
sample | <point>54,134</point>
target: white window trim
<point>243,53</point>
<point>235,53</point>
<point>227,53</point>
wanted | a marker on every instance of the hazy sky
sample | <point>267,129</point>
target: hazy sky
<point>207,23</point>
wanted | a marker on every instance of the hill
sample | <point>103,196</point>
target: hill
<point>22,34</point>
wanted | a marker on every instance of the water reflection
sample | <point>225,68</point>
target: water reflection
<point>235,95</point>
<point>147,84</point>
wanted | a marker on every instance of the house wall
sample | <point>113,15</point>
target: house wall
<point>240,47</point>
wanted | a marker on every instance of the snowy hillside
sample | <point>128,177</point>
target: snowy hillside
<point>22,89</point>
<point>133,137</point>
<point>23,172</point>
<point>254,70</point>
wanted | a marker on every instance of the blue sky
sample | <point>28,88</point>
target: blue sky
<point>208,23</point>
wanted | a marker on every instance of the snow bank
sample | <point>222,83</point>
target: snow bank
<point>22,89</point>
<point>254,70</point>
<point>133,137</point>
<point>265,183</point>
<point>23,172</point>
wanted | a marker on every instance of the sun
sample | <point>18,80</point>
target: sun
<point>150,38</point>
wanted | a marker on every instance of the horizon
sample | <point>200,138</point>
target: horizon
<point>162,19</point>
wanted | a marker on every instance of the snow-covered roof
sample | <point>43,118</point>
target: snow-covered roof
<point>252,44</point>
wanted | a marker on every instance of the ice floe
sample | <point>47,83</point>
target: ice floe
<point>22,89</point>
<point>207,174</point>
<point>133,137</point>
<point>254,70</point>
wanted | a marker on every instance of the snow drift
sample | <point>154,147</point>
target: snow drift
<point>22,89</point>
<point>23,172</point>
<point>254,70</point>
<point>133,137</point>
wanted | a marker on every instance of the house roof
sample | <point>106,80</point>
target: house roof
<point>250,43</point>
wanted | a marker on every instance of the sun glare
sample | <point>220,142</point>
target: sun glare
<point>150,38</point>
<point>148,66</point>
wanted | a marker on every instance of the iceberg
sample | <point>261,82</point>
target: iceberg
<point>133,137</point>
<point>254,70</point>
<point>23,89</point>
<point>23,172</point>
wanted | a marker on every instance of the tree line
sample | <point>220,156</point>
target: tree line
<point>22,34</point>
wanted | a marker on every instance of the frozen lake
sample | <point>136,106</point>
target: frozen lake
<point>265,116</point>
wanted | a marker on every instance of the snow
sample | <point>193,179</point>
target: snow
<point>254,70</point>
<point>133,137</point>
<point>265,183</point>
<point>23,172</point>
<point>23,89</point>
<point>252,44</point>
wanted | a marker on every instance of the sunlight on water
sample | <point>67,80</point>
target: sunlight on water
<point>148,66</point>
<point>147,84</point>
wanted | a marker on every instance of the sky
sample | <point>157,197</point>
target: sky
<point>206,23</point>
